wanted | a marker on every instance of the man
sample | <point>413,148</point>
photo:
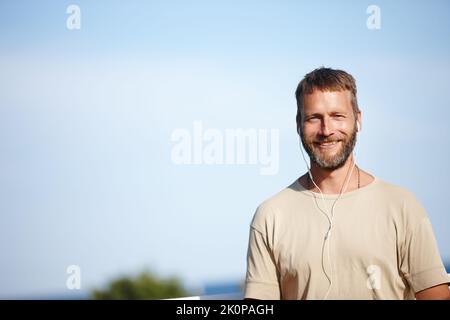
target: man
<point>339,232</point>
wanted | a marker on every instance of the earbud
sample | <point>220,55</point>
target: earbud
<point>357,127</point>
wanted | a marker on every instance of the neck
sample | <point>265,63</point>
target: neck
<point>332,181</point>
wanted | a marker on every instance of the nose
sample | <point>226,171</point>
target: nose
<point>325,127</point>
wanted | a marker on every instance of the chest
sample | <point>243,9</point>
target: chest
<point>357,239</point>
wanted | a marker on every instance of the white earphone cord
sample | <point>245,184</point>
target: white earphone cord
<point>330,219</point>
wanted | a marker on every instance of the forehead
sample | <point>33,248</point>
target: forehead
<point>327,101</point>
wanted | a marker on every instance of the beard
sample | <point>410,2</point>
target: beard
<point>321,157</point>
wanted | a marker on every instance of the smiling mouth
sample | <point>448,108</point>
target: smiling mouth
<point>327,145</point>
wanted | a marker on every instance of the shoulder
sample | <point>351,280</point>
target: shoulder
<point>396,192</point>
<point>269,210</point>
<point>406,202</point>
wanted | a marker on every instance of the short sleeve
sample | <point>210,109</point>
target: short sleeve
<point>261,279</point>
<point>421,263</point>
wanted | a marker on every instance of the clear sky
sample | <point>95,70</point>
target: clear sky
<point>87,116</point>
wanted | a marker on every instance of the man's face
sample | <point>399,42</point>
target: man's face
<point>329,127</point>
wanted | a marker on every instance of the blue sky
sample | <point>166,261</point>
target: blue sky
<point>86,118</point>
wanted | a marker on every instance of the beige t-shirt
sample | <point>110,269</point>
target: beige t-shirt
<point>381,246</point>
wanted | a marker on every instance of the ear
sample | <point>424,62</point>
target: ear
<point>358,121</point>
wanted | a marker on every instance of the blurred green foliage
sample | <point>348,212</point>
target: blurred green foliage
<point>143,286</point>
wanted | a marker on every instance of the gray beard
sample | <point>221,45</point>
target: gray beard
<point>337,161</point>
